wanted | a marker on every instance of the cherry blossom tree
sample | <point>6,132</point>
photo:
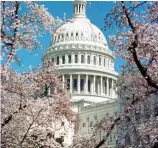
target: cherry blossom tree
<point>21,25</point>
<point>136,42</point>
<point>33,104</point>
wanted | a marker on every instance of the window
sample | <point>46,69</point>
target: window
<point>99,61</point>
<point>53,60</point>
<point>79,8</point>
<point>68,83</point>
<point>69,58</point>
<point>71,34</point>
<point>67,34</point>
<point>82,58</point>
<point>62,123</point>
<point>94,60</point>
<point>76,58</point>
<point>88,59</point>
<point>108,63</point>
<point>75,84</point>
<point>82,84</point>
<point>84,124</point>
<point>81,34</point>
<point>104,62</point>
<point>57,60</point>
<point>63,60</point>
<point>76,33</point>
<point>89,85</point>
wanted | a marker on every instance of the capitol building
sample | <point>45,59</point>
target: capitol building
<point>85,62</point>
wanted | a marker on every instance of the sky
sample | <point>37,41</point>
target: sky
<point>95,11</point>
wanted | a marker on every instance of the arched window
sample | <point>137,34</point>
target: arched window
<point>94,60</point>
<point>104,62</point>
<point>76,58</point>
<point>88,59</point>
<point>82,58</point>
<point>57,60</point>
<point>99,61</point>
<point>63,60</point>
<point>69,59</point>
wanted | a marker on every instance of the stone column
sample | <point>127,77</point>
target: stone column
<point>85,57</point>
<point>101,85</point>
<point>79,58</point>
<point>78,84</point>
<point>107,83</point>
<point>112,88</point>
<point>70,83</point>
<point>97,60</point>
<point>86,84</point>
<point>72,58</point>
<point>66,59</point>
<point>94,85</point>
<point>91,59</point>
<point>60,59</point>
<point>98,85</point>
<point>78,8</point>
<point>63,78</point>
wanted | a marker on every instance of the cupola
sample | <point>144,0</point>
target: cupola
<point>79,8</point>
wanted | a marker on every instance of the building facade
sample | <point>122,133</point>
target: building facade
<point>85,62</point>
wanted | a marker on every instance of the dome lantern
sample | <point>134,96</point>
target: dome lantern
<point>79,8</point>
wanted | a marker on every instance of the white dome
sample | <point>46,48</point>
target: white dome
<point>83,59</point>
<point>79,29</point>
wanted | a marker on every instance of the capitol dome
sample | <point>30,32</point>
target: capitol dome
<point>80,29</point>
<point>83,59</point>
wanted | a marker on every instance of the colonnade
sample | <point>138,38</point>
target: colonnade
<point>86,58</point>
<point>90,84</point>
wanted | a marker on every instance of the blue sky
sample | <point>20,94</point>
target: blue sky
<point>95,12</point>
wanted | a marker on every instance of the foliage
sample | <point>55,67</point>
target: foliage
<point>33,104</point>
<point>29,115</point>
<point>21,25</point>
<point>136,42</point>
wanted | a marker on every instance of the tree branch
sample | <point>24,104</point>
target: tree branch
<point>34,119</point>
<point>133,47</point>
<point>12,52</point>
